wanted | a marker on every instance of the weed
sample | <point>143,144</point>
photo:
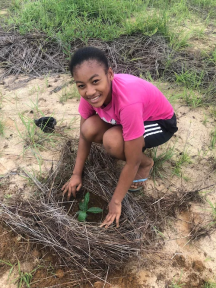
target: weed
<point>160,160</point>
<point>190,79</point>
<point>82,214</point>
<point>1,128</point>
<point>179,42</point>
<point>183,158</point>
<point>24,278</point>
<point>214,55</point>
<point>69,94</point>
<point>213,208</point>
<point>33,137</point>
<point>177,283</point>
<point>213,139</point>
<point>205,120</point>
<point>191,98</point>
<point>210,285</point>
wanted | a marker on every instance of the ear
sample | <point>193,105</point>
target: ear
<point>110,74</point>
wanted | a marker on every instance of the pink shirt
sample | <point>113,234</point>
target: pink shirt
<point>134,101</point>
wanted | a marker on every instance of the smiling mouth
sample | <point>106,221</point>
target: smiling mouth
<point>94,99</point>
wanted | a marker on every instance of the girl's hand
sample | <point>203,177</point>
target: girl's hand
<point>72,186</point>
<point>114,214</point>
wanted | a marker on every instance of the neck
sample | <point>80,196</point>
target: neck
<point>109,97</point>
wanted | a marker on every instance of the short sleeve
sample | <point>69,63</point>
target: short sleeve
<point>85,109</point>
<point>131,118</point>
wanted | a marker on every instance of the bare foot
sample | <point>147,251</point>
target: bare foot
<point>142,173</point>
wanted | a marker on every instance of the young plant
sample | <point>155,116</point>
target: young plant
<point>83,206</point>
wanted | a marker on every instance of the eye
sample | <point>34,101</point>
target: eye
<point>80,86</point>
<point>95,81</point>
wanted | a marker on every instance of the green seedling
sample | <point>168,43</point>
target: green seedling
<point>83,206</point>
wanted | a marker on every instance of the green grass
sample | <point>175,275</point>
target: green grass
<point>177,283</point>
<point>1,128</point>
<point>210,285</point>
<point>213,139</point>
<point>69,93</point>
<point>67,20</point>
<point>183,158</point>
<point>24,278</point>
<point>160,160</point>
<point>191,98</point>
<point>190,79</point>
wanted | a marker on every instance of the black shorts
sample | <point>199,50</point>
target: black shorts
<point>159,131</point>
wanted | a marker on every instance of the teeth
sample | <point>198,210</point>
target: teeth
<point>95,98</point>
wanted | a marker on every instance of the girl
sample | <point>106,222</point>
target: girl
<point>124,113</point>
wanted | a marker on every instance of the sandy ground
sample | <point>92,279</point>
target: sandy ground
<point>180,260</point>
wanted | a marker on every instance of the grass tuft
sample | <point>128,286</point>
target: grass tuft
<point>1,128</point>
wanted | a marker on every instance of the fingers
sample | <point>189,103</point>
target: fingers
<point>117,221</point>
<point>109,220</point>
<point>67,188</point>
<point>79,187</point>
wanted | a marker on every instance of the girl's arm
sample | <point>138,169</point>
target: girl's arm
<point>82,153</point>
<point>133,155</point>
<point>75,182</point>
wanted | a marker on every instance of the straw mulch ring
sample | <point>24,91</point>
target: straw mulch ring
<point>50,220</point>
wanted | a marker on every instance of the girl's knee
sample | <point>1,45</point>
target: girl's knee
<point>113,141</point>
<point>89,129</point>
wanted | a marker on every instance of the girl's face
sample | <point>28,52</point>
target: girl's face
<point>93,84</point>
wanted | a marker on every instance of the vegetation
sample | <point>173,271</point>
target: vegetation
<point>67,20</point>
<point>1,128</point>
<point>83,206</point>
<point>24,278</point>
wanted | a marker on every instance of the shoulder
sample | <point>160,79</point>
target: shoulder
<point>126,78</point>
<point>127,83</point>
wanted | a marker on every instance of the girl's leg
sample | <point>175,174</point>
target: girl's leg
<point>114,144</point>
<point>94,128</point>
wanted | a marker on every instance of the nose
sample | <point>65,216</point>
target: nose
<point>90,91</point>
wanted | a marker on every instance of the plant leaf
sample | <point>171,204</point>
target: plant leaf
<point>82,206</point>
<point>82,216</point>
<point>95,210</point>
<point>86,201</point>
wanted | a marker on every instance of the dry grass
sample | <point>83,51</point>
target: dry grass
<point>137,54</point>
<point>46,220</point>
